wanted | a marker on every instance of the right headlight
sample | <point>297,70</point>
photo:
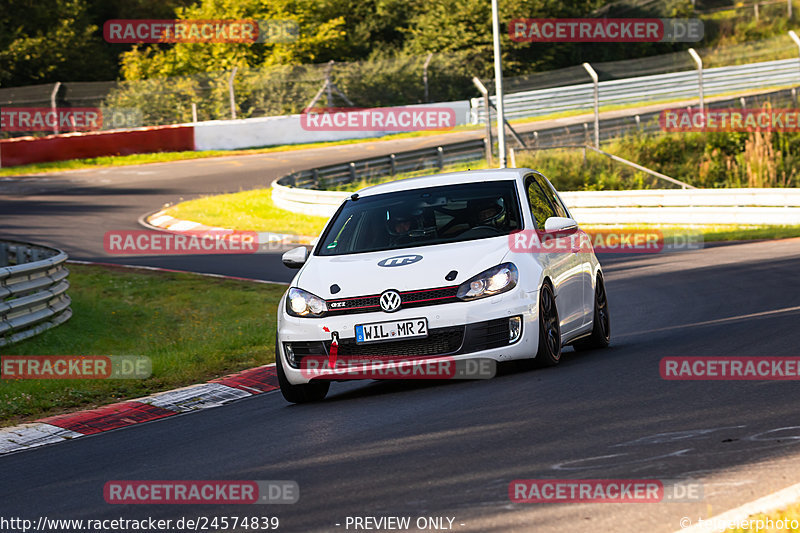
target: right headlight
<point>302,303</point>
<point>495,280</point>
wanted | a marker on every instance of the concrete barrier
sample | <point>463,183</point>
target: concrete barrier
<point>287,129</point>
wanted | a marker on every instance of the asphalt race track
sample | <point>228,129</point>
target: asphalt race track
<point>445,449</point>
<point>451,449</point>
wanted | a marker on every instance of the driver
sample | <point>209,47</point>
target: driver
<point>399,224</point>
<point>488,212</point>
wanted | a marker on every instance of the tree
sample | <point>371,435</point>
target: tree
<point>46,41</point>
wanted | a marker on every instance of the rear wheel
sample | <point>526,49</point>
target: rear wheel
<point>601,328</point>
<point>304,393</point>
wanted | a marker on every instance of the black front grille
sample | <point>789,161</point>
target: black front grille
<point>369,304</point>
<point>486,335</point>
<point>454,340</point>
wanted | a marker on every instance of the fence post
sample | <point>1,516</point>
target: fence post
<point>596,82</point>
<point>194,113</point>
<point>699,63</point>
<point>440,154</point>
<point>498,86</point>
<point>795,38</point>
<point>352,172</point>
<point>230,92</point>
<point>393,164</point>
<point>53,105</point>
<point>425,75</point>
<point>487,110</point>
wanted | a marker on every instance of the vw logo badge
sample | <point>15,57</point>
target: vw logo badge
<point>390,301</point>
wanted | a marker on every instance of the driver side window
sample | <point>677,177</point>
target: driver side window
<point>541,209</point>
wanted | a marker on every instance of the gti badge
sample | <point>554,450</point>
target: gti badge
<point>399,260</point>
<point>390,301</point>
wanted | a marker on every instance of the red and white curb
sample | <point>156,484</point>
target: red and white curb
<point>161,220</point>
<point>215,393</point>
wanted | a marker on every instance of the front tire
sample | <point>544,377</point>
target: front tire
<point>549,352</point>
<point>601,328</point>
<point>304,393</point>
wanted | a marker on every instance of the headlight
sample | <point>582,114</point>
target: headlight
<point>496,280</point>
<point>304,304</point>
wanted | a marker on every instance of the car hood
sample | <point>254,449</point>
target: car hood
<point>361,275</point>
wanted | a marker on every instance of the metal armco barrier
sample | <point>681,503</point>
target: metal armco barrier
<point>388,165</point>
<point>765,207</point>
<point>33,290</point>
<point>659,87</point>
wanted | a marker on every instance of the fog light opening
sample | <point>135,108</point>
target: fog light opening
<point>287,348</point>
<point>514,328</point>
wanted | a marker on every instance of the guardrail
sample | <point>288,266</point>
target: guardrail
<point>762,207</point>
<point>650,206</point>
<point>387,165</point>
<point>658,87</point>
<point>33,290</point>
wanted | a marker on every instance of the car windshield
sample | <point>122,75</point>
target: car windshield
<point>422,217</point>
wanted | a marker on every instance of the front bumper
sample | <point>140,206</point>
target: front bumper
<point>458,330</point>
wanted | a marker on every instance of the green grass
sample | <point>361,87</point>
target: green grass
<point>253,210</point>
<point>193,328</point>
<point>789,514</point>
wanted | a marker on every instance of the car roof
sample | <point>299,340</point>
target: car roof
<point>450,178</point>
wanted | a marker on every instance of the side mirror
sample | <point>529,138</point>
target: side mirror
<point>296,257</point>
<point>560,226</point>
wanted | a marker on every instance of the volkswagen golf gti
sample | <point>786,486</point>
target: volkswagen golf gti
<point>433,267</point>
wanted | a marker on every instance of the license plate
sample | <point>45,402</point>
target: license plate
<point>412,328</point>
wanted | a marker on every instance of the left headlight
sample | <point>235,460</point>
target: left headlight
<point>304,304</point>
<point>493,281</point>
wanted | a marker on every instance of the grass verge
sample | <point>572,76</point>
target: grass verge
<point>759,523</point>
<point>193,328</point>
<point>253,210</point>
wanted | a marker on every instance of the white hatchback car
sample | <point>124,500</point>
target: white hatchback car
<point>428,267</point>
